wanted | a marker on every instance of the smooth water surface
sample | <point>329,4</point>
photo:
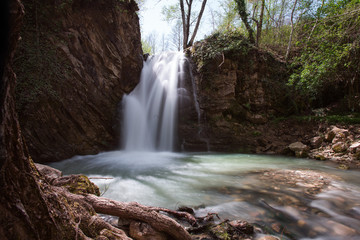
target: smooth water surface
<point>230,185</point>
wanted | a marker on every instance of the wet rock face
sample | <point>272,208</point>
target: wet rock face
<point>75,61</point>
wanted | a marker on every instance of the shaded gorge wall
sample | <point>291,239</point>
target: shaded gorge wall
<point>75,61</point>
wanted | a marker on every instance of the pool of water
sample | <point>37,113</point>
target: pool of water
<point>233,185</point>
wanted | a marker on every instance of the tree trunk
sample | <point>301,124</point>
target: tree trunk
<point>241,7</point>
<point>260,23</point>
<point>197,23</point>
<point>183,19</point>
<point>291,33</point>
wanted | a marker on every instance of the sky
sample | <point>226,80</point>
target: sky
<point>151,19</point>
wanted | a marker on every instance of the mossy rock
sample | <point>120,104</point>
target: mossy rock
<point>232,230</point>
<point>339,147</point>
<point>343,167</point>
<point>320,157</point>
<point>78,184</point>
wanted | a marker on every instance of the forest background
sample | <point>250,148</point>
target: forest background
<point>318,39</point>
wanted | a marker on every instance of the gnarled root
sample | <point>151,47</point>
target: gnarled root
<point>84,207</point>
<point>134,211</point>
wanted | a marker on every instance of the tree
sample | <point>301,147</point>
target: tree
<point>176,36</point>
<point>242,10</point>
<point>260,23</point>
<point>185,13</point>
<point>329,49</point>
<point>151,40</point>
<point>228,16</point>
<point>164,43</point>
<point>186,21</point>
<point>292,31</point>
<point>146,47</point>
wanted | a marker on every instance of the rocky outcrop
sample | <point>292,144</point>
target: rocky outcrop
<point>340,144</point>
<point>237,85</point>
<point>75,61</point>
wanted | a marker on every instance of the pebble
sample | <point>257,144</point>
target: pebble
<point>301,223</point>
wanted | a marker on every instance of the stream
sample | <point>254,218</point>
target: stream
<point>287,197</point>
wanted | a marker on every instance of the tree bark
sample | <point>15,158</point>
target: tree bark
<point>241,7</point>
<point>186,22</point>
<point>260,23</point>
<point>197,23</point>
<point>291,33</point>
<point>183,23</point>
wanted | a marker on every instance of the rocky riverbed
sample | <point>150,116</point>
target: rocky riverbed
<point>340,144</point>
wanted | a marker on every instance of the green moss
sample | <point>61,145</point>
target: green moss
<point>343,167</point>
<point>231,43</point>
<point>80,184</point>
<point>221,232</point>
<point>320,157</point>
<point>256,133</point>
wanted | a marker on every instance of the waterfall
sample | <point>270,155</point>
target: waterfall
<point>150,110</point>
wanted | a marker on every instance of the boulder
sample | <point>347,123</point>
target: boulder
<point>335,134</point>
<point>316,142</point>
<point>300,149</point>
<point>339,147</point>
<point>354,147</point>
<point>320,157</point>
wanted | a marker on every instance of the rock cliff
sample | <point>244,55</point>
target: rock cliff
<point>75,61</point>
<point>239,88</point>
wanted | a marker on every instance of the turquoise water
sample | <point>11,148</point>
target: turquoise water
<point>231,185</point>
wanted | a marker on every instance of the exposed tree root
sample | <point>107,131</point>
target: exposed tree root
<point>133,211</point>
<point>78,194</point>
<point>137,221</point>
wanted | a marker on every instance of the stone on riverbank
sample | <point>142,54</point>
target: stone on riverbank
<point>300,149</point>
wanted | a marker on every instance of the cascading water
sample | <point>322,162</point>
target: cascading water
<point>150,110</point>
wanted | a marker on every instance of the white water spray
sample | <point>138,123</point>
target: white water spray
<point>150,110</point>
